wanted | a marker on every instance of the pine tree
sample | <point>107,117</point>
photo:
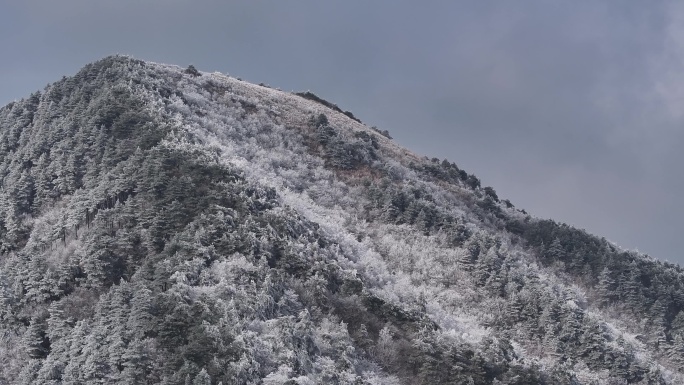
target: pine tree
<point>551,319</point>
<point>488,265</point>
<point>141,319</point>
<point>678,323</point>
<point>23,193</point>
<point>95,366</point>
<point>326,134</point>
<point>474,248</point>
<point>605,288</point>
<point>658,314</point>
<point>514,309</point>
<point>592,343</point>
<point>139,361</point>
<point>202,378</point>
<point>654,376</point>
<point>391,213</point>
<point>555,251</point>
<point>659,337</point>
<point>496,284</point>
<point>28,373</point>
<point>676,352</point>
<point>458,234</point>
<point>385,348</point>
<point>464,260</point>
<point>35,340</point>
<point>412,212</point>
<point>115,321</point>
<point>58,325</point>
<point>632,288</point>
<point>424,222</point>
<point>43,181</point>
<point>619,366</point>
<point>7,299</point>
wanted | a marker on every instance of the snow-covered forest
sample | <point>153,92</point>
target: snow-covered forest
<point>161,225</point>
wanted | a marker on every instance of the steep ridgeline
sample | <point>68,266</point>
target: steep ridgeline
<point>161,225</point>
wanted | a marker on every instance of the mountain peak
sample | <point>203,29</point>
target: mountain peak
<point>162,224</point>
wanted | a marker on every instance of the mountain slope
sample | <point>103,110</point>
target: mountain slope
<point>162,225</point>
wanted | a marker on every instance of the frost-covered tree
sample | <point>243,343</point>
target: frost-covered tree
<point>35,341</point>
<point>605,288</point>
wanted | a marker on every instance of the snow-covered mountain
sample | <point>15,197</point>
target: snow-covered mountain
<point>161,225</point>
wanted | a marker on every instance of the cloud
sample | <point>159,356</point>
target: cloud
<point>573,110</point>
<point>667,67</point>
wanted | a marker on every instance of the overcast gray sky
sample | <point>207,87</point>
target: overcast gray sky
<point>573,110</point>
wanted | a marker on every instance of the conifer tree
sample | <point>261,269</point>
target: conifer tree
<point>202,378</point>
<point>631,287</point>
<point>605,288</point>
<point>592,343</point>
<point>555,251</point>
<point>464,259</point>
<point>676,352</point>
<point>57,324</point>
<point>678,323</point>
<point>424,222</point>
<point>412,212</point>
<point>35,340</point>
<point>141,319</point>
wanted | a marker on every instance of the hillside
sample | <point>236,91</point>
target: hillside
<point>161,225</point>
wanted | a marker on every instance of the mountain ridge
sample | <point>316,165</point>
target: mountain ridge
<point>159,189</point>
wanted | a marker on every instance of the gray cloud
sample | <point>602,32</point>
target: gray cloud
<point>573,110</point>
